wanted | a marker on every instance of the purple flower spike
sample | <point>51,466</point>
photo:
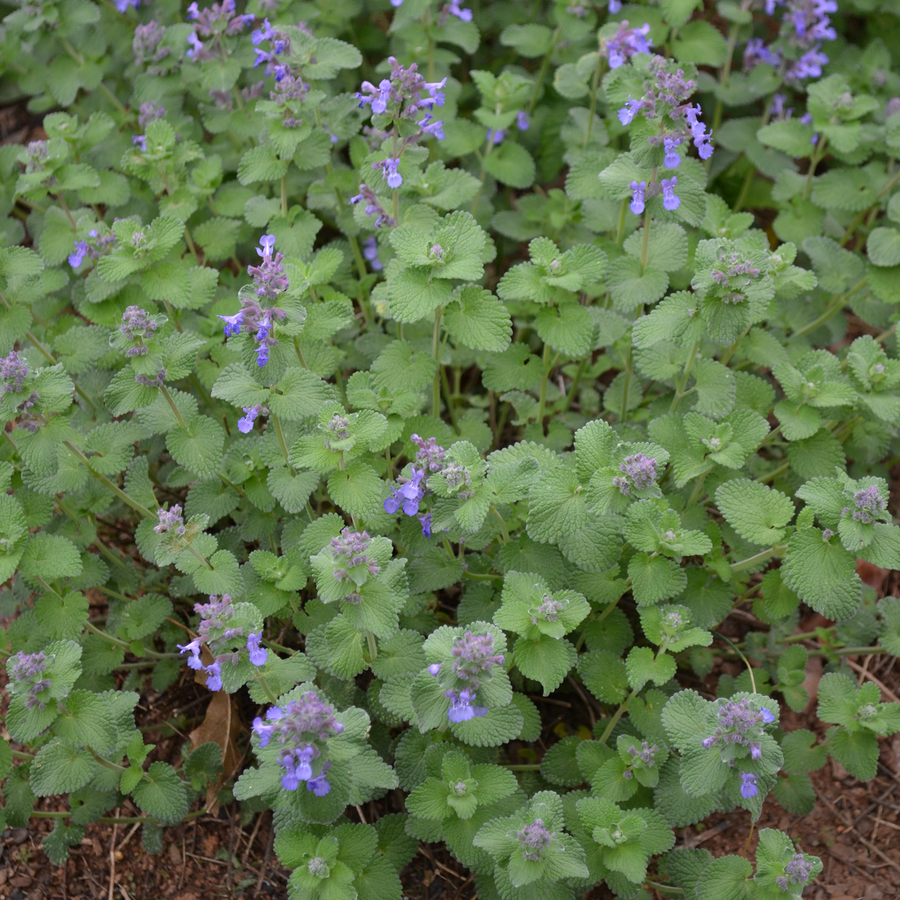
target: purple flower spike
<point>319,785</point>
<point>258,655</point>
<point>434,668</point>
<point>426,525</point>
<point>140,140</point>
<point>453,9</point>
<point>523,121</point>
<point>672,157</point>
<point>495,137</point>
<point>671,201</point>
<point>389,169</point>
<point>767,717</point>
<point>81,250</point>
<point>748,786</point>
<point>615,6</point>
<point>232,323</point>
<point>194,649</point>
<point>629,111</point>
<point>461,709</point>
<point>214,673</point>
<point>268,245</point>
<point>637,199</point>
<point>263,731</point>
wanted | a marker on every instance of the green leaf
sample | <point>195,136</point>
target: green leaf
<point>477,319</point>
<point>547,660</point>
<point>604,675</point>
<point>162,794</point>
<point>791,136</point>
<point>836,268</point>
<point>197,445</point>
<point>556,507</point>
<point>700,43</point>
<point>86,722</point>
<point>655,578</point>
<point>726,878</point>
<point>510,163</point>
<point>59,768</point>
<point>414,294</point>
<point>857,752</point>
<point>49,556</point>
<point>495,728</point>
<point>641,667</point>
<point>261,164</point>
<point>814,567</point>
<point>883,247</point>
<point>568,328</point>
<point>630,286</point>
<point>223,578</point>
<point>756,512</point>
<point>715,387</point>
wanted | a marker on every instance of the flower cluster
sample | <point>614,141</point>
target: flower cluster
<point>796,871</point>
<point>302,729</point>
<point>269,281</point>
<point>534,839</point>
<point>430,454</point>
<point>400,97</point>
<point>220,18</point>
<point>123,5</point>
<point>626,42</point>
<point>373,206</point>
<point>739,723</point>
<point>25,672</point>
<point>215,632</point>
<point>12,374</point>
<point>474,658</point>
<point>638,473</point>
<point>869,505</point>
<point>547,610</point>
<point>251,413</point>
<point>170,521</point>
<point>137,325</point>
<point>646,754</point>
<point>93,250</point>
<point>409,494</point>
<point>157,380</point>
<point>805,25</point>
<point>147,47</point>
<point>353,546</point>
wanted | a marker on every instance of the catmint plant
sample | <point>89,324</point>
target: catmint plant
<point>480,403</point>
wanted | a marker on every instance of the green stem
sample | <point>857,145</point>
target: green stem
<point>751,561</point>
<point>838,302</point>
<point>503,529</point>
<point>724,75</point>
<point>545,374</point>
<point>284,196</point>
<point>112,97</point>
<point>744,658</point>
<point>522,767</point>
<point>172,405</point>
<point>281,442</point>
<point>543,70</point>
<point>595,83</point>
<point>66,210</point>
<point>775,473</point>
<point>436,354</point>
<point>817,156</point>
<point>137,507</point>
<point>623,707</point>
<point>270,694</point>
<point>680,386</point>
<point>576,381</point>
